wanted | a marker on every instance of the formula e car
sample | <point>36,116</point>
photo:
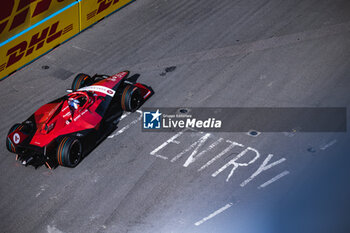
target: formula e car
<point>65,130</point>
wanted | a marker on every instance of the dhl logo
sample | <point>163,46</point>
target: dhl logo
<point>37,41</point>
<point>21,12</point>
<point>102,6</point>
<point>16,15</point>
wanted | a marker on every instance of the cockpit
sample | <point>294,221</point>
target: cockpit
<point>78,100</point>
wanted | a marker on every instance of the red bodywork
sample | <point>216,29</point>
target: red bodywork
<point>57,118</point>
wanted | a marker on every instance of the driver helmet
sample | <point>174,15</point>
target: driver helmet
<point>74,103</point>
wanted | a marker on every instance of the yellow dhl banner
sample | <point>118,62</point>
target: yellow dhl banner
<point>32,43</point>
<point>92,11</point>
<point>30,28</point>
<point>17,15</point>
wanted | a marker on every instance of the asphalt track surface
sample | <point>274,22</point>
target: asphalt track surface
<point>251,53</point>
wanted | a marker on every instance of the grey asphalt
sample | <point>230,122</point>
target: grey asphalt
<point>227,54</point>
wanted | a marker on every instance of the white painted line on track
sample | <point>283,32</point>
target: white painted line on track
<point>122,130</point>
<point>222,209</point>
<point>195,146</point>
<point>53,229</point>
<point>86,50</point>
<point>263,167</point>
<point>232,144</point>
<point>329,144</point>
<point>235,164</point>
<point>171,140</point>
<point>279,176</point>
<point>126,114</point>
<point>192,159</point>
<point>42,189</point>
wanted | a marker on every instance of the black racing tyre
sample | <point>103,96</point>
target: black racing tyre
<point>81,80</point>
<point>69,152</point>
<point>9,145</point>
<point>28,127</point>
<point>99,78</point>
<point>131,98</point>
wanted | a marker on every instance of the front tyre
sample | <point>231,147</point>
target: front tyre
<point>69,152</point>
<point>131,98</point>
<point>9,145</point>
<point>81,80</point>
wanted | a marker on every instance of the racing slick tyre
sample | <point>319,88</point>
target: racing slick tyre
<point>28,127</point>
<point>9,145</point>
<point>69,152</point>
<point>131,98</point>
<point>81,80</point>
<point>98,78</point>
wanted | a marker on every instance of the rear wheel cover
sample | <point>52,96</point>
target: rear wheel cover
<point>9,145</point>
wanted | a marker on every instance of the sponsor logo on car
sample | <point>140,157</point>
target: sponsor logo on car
<point>117,76</point>
<point>16,138</point>
<point>97,88</point>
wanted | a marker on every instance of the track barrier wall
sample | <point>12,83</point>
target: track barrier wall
<point>18,15</point>
<point>93,11</point>
<point>30,28</point>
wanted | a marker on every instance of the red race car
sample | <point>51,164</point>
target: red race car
<point>66,129</point>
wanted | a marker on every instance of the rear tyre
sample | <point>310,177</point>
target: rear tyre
<point>81,80</point>
<point>69,152</point>
<point>131,98</point>
<point>9,145</point>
